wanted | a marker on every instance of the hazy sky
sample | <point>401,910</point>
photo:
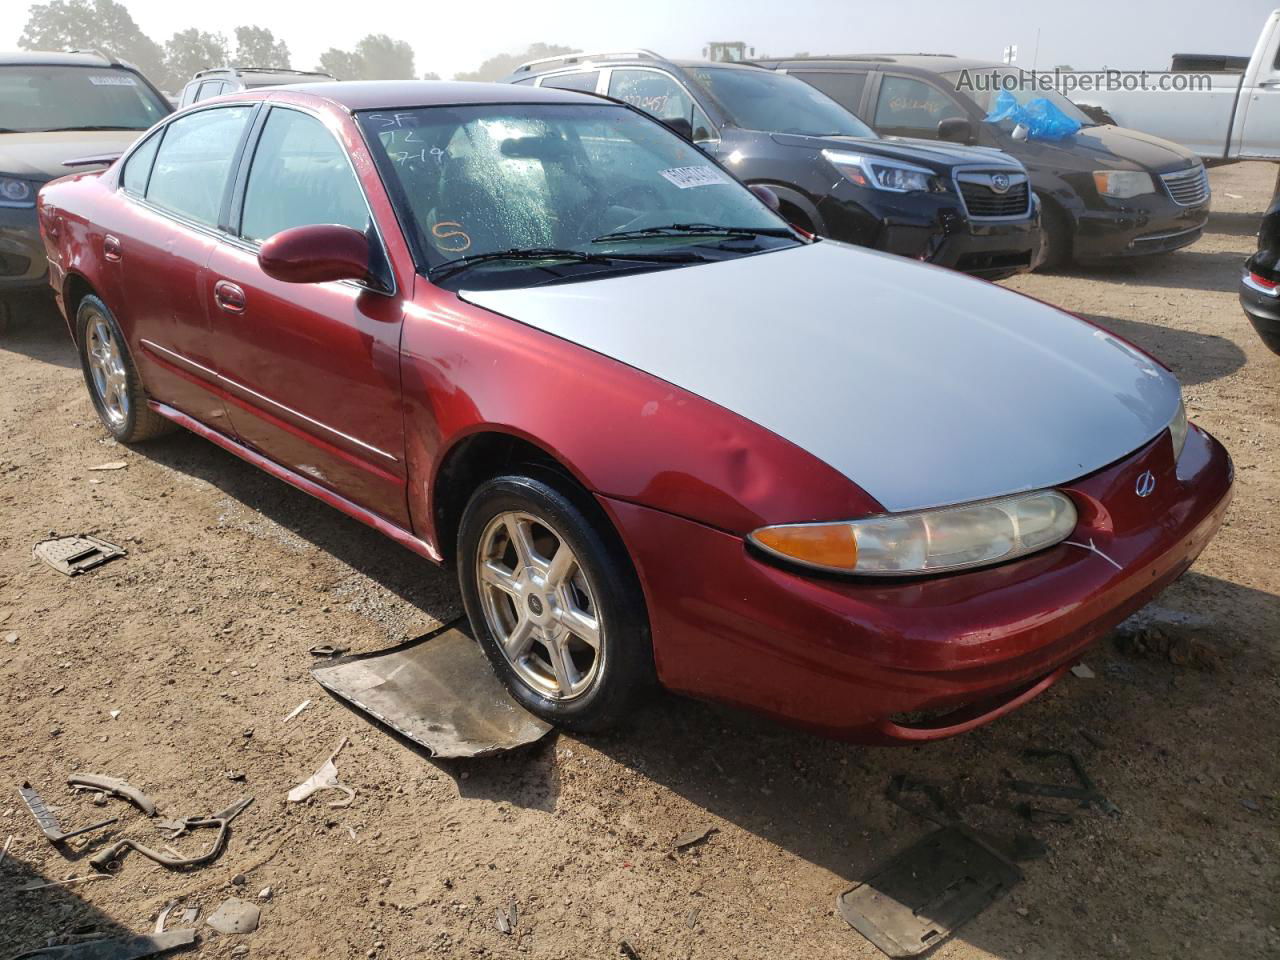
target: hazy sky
<point>450,37</point>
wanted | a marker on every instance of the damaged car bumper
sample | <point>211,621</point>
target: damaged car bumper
<point>921,659</point>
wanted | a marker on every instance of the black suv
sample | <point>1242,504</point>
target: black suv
<point>963,207</point>
<point>1105,192</point>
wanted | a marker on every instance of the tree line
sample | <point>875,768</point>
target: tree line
<point>107,26</point>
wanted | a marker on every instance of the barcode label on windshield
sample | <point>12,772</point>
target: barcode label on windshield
<point>123,80</point>
<point>686,177</point>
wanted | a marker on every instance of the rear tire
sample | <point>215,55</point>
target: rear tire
<point>114,384</point>
<point>554,601</point>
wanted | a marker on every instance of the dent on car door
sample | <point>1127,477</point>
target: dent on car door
<point>311,370</point>
<point>175,186</point>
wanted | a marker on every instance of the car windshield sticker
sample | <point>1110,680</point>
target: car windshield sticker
<point>686,177</point>
<point>120,80</point>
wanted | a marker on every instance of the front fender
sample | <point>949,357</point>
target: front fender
<point>622,433</point>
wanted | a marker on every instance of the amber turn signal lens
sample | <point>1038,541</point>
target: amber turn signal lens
<point>829,545</point>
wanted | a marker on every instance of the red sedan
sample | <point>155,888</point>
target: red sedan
<point>660,435</point>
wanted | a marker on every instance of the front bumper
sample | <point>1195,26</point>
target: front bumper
<point>1138,227</point>
<point>933,228</point>
<point>23,266</point>
<point>848,658</point>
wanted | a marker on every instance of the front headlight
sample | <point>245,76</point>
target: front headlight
<point>1122,184</point>
<point>1178,430</point>
<point>930,541</point>
<point>16,193</point>
<point>883,174</point>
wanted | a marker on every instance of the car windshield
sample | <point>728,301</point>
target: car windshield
<point>984,85</point>
<point>500,188</point>
<point>40,98</point>
<point>763,100</point>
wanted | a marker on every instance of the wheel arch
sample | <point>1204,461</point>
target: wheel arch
<point>75,287</point>
<point>791,197</point>
<point>480,455</point>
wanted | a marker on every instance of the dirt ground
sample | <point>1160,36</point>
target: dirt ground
<point>199,640</point>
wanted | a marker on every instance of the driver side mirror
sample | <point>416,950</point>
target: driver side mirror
<point>956,130</point>
<point>766,196</point>
<point>317,253</point>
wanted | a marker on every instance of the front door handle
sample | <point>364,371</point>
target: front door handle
<point>111,247</point>
<point>228,296</point>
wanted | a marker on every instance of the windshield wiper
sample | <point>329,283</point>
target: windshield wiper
<point>450,267</point>
<point>695,230</point>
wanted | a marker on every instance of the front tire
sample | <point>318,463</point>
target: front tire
<point>554,601</point>
<point>1055,238</point>
<point>114,385</point>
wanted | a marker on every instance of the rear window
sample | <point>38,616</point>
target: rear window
<point>37,99</point>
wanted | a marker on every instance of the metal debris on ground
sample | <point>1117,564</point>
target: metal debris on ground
<point>1043,815</point>
<point>73,556</point>
<point>111,465</point>
<point>108,859</point>
<point>297,710</point>
<point>326,778</point>
<point>628,951</point>
<point>4,852</point>
<point>164,915</point>
<point>235,917</point>
<point>1085,792</point>
<point>48,823</point>
<point>1083,672</point>
<point>507,917</point>
<point>694,837</point>
<point>326,650</point>
<point>439,691</point>
<point>115,948</point>
<point>928,891</point>
<point>87,878</point>
<point>100,783</point>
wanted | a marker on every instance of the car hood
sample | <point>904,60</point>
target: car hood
<point>934,154</point>
<point>40,156</point>
<point>1104,148</point>
<point>922,386</point>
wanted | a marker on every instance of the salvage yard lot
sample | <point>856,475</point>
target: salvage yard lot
<point>199,638</point>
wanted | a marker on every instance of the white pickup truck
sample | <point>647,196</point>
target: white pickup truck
<point>1236,118</point>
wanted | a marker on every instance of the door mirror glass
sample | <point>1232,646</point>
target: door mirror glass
<point>317,253</point>
<point>956,130</point>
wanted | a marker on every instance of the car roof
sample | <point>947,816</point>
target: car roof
<point>53,58</point>
<point>402,94</point>
<point>930,62</point>
<point>261,73</point>
<point>583,62</point>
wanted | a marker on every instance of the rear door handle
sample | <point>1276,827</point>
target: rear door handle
<point>228,296</point>
<point>111,247</point>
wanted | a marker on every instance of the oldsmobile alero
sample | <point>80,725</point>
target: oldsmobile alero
<point>661,435</point>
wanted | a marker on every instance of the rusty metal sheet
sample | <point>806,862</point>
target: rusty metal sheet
<point>439,691</point>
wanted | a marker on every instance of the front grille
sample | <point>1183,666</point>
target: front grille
<point>1189,188</point>
<point>983,201</point>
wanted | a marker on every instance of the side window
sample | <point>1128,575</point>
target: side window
<point>657,94</point>
<point>194,160</point>
<point>844,88</point>
<point>527,81</point>
<point>300,175</point>
<point>210,88</point>
<point>137,169</point>
<point>189,94</point>
<point>574,81</point>
<point>912,107</point>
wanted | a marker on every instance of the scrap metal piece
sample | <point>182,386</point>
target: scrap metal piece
<point>1085,791</point>
<point>439,691</point>
<point>928,891</point>
<point>326,778</point>
<point>108,859</point>
<point>115,948</point>
<point>697,835</point>
<point>116,787</point>
<point>48,823</point>
<point>76,555</point>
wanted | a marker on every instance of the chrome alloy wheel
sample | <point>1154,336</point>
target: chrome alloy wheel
<point>106,365</point>
<point>540,606</point>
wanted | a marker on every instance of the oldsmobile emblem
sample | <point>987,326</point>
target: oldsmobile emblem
<point>1146,484</point>
<point>1000,182</point>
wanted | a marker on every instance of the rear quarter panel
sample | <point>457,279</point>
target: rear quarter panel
<point>75,213</point>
